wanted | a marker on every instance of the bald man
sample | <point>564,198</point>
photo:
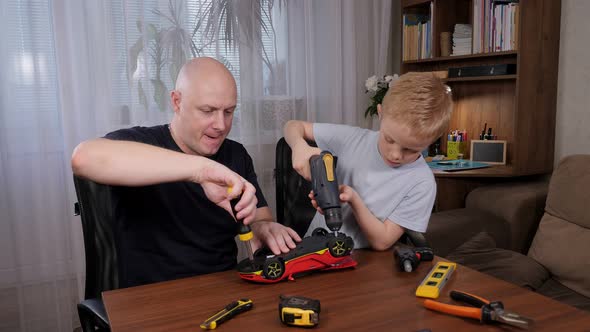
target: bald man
<point>170,184</point>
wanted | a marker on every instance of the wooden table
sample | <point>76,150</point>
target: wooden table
<point>374,296</point>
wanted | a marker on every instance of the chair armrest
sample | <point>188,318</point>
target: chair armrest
<point>448,230</point>
<point>93,315</point>
<point>520,204</point>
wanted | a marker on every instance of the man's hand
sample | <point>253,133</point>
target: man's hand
<point>300,156</point>
<point>278,238</point>
<point>347,195</point>
<point>217,180</point>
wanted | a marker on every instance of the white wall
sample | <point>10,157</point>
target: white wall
<point>572,131</point>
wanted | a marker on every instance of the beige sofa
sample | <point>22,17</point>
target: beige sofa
<point>530,234</point>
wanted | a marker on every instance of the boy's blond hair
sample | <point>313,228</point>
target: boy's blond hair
<point>422,102</point>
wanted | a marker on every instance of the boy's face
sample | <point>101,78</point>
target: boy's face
<point>397,143</point>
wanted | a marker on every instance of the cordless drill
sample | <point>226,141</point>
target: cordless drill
<point>409,258</point>
<point>325,188</point>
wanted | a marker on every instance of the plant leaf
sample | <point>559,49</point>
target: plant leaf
<point>160,93</point>
<point>141,95</point>
<point>152,31</point>
<point>133,57</point>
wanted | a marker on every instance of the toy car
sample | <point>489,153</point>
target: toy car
<point>320,251</point>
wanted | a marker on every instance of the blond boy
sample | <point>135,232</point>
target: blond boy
<point>385,182</point>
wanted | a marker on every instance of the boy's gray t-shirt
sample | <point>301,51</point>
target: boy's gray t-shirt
<point>404,195</point>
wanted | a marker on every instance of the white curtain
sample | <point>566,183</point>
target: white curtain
<point>71,70</point>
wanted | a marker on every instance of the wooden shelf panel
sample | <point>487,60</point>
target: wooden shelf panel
<point>412,3</point>
<point>480,78</point>
<point>463,57</point>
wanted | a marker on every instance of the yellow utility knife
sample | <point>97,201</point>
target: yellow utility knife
<point>227,313</point>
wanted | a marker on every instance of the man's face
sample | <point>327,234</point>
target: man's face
<point>205,112</point>
<point>397,144</point>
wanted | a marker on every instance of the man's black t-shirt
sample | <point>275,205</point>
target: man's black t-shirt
<point>171,230</point>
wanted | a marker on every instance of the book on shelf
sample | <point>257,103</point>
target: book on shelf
<point>462,36</point>
<point>417,35</point>
<point>496,25</point>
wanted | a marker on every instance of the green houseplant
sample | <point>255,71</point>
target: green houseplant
<point>230,22</point>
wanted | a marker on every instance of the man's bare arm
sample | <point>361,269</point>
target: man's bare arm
<point>128,163</point>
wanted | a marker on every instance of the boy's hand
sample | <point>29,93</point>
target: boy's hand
<point>347,195</point>
<point>300,156</point>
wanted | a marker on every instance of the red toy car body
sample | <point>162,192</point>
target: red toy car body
<point>321,251</point>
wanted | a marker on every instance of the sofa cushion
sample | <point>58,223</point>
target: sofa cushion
<point>561,242</point>
<point>568,191</point>
<point>449,229</point>
<point>480,253</point>
<point>562,247</point>
<point>553,289</point>
<point>520,204</point>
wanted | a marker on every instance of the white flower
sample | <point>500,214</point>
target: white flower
<point>377,87</point>
<point>391,80</point>
<point>372,83</point>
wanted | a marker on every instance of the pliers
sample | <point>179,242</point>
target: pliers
<point>485,311</point>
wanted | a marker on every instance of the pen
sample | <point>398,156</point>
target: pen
<point>483,132</point>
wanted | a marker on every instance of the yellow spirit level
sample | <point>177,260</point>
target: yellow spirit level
<point>435,280</point>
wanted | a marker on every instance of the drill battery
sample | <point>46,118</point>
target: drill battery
<point>299,311</point>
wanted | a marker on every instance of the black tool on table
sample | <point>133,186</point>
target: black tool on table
<point>409,258</point>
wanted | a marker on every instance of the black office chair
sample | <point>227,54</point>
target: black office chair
<point>95,207</point>
<point>293,206</point>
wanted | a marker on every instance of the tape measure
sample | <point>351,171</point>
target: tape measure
<point>435,280</point>
<point>299,311</point>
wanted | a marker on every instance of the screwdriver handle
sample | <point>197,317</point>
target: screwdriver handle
<point>244,231</point>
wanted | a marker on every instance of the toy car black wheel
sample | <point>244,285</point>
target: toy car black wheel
<point>319,232</point>
<point>338,247</point>
<point>273,268</point>
<point>263,252</point>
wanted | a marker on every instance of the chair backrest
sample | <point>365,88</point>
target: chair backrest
<point>96,209</point>
<point>293,206</point>
<point>561,241</point>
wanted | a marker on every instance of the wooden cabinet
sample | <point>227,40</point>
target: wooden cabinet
<point>519,107</point>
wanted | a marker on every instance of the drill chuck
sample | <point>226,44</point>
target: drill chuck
<point>408,266</point>
<point>333,218</point>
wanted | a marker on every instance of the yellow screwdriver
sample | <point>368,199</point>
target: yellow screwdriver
<point>244,231</point>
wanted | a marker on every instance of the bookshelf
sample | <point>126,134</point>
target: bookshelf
<point>519,107</point>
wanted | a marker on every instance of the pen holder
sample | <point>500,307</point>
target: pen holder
<point>455,148</point>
